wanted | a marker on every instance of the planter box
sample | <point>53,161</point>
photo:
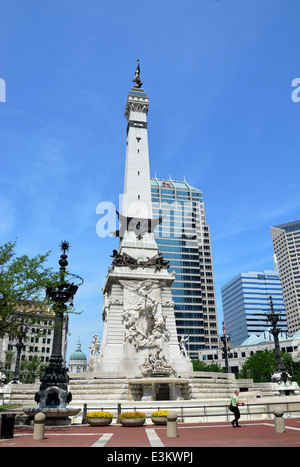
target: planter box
<point>159,420</point>
<point>99,421</point>
<point>132,421</point>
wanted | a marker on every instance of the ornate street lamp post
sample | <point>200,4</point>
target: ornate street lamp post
<point>53,390</point>
<point>225,348</point>
<point>273,318</point>
<point>281,373</point>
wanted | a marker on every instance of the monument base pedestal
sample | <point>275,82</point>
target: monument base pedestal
<point>139,328</point>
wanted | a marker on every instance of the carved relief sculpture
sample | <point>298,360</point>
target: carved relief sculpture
<point>145,324</point>
<point>155,365</point>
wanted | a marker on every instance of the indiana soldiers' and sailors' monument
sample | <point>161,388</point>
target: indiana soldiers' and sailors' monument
<point>139,332</point>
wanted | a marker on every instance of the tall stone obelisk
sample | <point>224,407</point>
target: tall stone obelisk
<point>139,331</point>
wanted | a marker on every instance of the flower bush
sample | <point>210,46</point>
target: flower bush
<point>160,413</point>
<point>132,415</point>
<point>99,415</point>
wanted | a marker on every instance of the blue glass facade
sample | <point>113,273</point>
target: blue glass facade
<point>184,240</point>
<point>246,301</point>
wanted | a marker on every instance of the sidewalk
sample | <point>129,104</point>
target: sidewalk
<point>260,433</point>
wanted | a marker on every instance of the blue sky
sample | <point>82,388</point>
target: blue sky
<point>218,74</point>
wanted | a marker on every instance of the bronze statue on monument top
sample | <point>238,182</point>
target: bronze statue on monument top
<point>136,79</point>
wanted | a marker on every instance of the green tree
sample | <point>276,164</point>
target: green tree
<point>202,366</point>
<point>292,367</point>
<point>22,287</point>
<point>9,360</point>
<point>261,366</point>
<point>32,369</point>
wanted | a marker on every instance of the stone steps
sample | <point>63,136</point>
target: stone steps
<point>211,388</point>
<point>23,394</point>
<point>97,390</point>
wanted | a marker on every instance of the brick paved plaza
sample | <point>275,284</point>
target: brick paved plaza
<point>190,435</point>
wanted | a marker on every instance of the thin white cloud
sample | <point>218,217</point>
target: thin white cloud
<point>8,217</point>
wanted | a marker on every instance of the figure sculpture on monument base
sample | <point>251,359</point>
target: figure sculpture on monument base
<point>95,353</point>
<point>156,365</point>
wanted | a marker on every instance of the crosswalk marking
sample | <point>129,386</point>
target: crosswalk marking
<point>101,442</point>
<point>154,440</point>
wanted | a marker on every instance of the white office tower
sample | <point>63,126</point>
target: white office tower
<point>139,331</point>
<point>286,243</point>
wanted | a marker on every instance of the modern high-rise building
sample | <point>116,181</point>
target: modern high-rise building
<point>183,238</point>
<point>286,243</point>
<point>246,300</point>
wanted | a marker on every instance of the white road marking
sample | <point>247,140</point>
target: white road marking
<point>154,440</point>
<point>101,442</point>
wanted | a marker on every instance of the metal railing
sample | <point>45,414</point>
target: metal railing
<point>264,409</point>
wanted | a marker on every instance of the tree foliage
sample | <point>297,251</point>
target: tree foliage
<point>32,369</point>
<point>202,366</point>
<point>22,287</point>
<point>261,366</point>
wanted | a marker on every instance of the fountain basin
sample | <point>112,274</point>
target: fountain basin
<point>159,388</point>
<point>55,415</point>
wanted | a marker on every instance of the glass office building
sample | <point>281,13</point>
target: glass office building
<point>246,301</point>
<point>184,240</point>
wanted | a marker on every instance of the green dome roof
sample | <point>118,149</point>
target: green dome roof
<point>78,354</point>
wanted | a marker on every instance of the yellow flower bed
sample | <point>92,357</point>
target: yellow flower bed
<point>99,415</point>
<point>132,415</point>
<point>160,413</point>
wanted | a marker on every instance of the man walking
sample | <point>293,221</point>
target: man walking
<point>235,408</point>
